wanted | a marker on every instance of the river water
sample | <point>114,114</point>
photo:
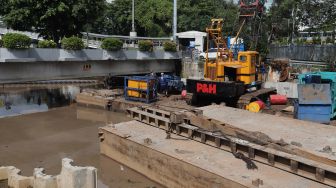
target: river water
<point>41,125</point>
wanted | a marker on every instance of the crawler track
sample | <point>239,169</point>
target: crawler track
<point>245,99</point>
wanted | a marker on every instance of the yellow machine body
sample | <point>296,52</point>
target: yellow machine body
<point>225,67</point>
<point>137,84</point>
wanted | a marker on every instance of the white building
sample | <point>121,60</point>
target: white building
<point>192,39</point>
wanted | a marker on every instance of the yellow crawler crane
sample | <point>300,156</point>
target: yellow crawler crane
<point>225,78</point>
<point>225,67</point>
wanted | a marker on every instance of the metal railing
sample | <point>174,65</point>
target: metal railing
<point>94,40</point>
<point>32,35</point>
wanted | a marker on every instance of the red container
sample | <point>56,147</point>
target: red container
<point>278,99</point>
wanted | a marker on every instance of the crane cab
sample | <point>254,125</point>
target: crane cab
<point>248,61</point>
<point>242,70</point>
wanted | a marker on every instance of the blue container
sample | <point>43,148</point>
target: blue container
<point>315,113</point>
<point>314,102</point>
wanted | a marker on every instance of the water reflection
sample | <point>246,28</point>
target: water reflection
<point>25,100</point>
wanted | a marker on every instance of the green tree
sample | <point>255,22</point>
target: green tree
<point>4,7</point>
<point>152,18</point>
<point>52,19</point>
<point>280,18</point>
<point>318,15</point>
<point>155,17</point>
<point>196,14</point>
<point>117,18</point>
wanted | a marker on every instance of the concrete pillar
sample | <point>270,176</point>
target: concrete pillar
<point>70,177</point>
<point>77,177</point>
<point>42,180</point>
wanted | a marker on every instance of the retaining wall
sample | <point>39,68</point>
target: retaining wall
<point>70,177</point>
<point>192,70</point>
<point>320,53</point>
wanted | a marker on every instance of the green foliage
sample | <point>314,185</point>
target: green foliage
<point>4,7</point>
<point>280,20</point>
<point>52,19</point>
<point>300,41</point>
<point>154,18</point>
<point>316,15</point>
<point>72,43</point>
<point>329,40</point>
<point>112,44</point>
<point>145,45</point>
<point>316,40</point>
<point>16,41</point>
<point>196,14</point>
<point>169,46</point>
<point>46,44</point>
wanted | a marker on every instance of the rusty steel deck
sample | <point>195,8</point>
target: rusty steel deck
<point>306,167</point>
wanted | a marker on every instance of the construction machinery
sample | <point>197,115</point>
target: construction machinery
<point>235,81</point>
<point>141,88</point>
<point>168,84</point>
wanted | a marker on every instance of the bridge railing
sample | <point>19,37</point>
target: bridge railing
<point>32,35</point>
<point>94,40</point>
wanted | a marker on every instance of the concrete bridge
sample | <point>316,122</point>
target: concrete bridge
<point>45,64</point>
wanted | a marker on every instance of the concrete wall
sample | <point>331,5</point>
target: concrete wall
<point>39,54</point>
<point>284,88</point>
<point>192,70</point>
<point>70,177</point>
<point>321,53</point>
<point>30,71</point>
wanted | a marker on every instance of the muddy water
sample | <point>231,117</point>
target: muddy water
<point>42,139</point>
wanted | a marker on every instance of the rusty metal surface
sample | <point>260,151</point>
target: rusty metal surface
<point>314,94</point>
<point>133,143</point>
<point>291,163</point>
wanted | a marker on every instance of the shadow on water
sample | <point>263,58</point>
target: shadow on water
<point>31,99</point>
